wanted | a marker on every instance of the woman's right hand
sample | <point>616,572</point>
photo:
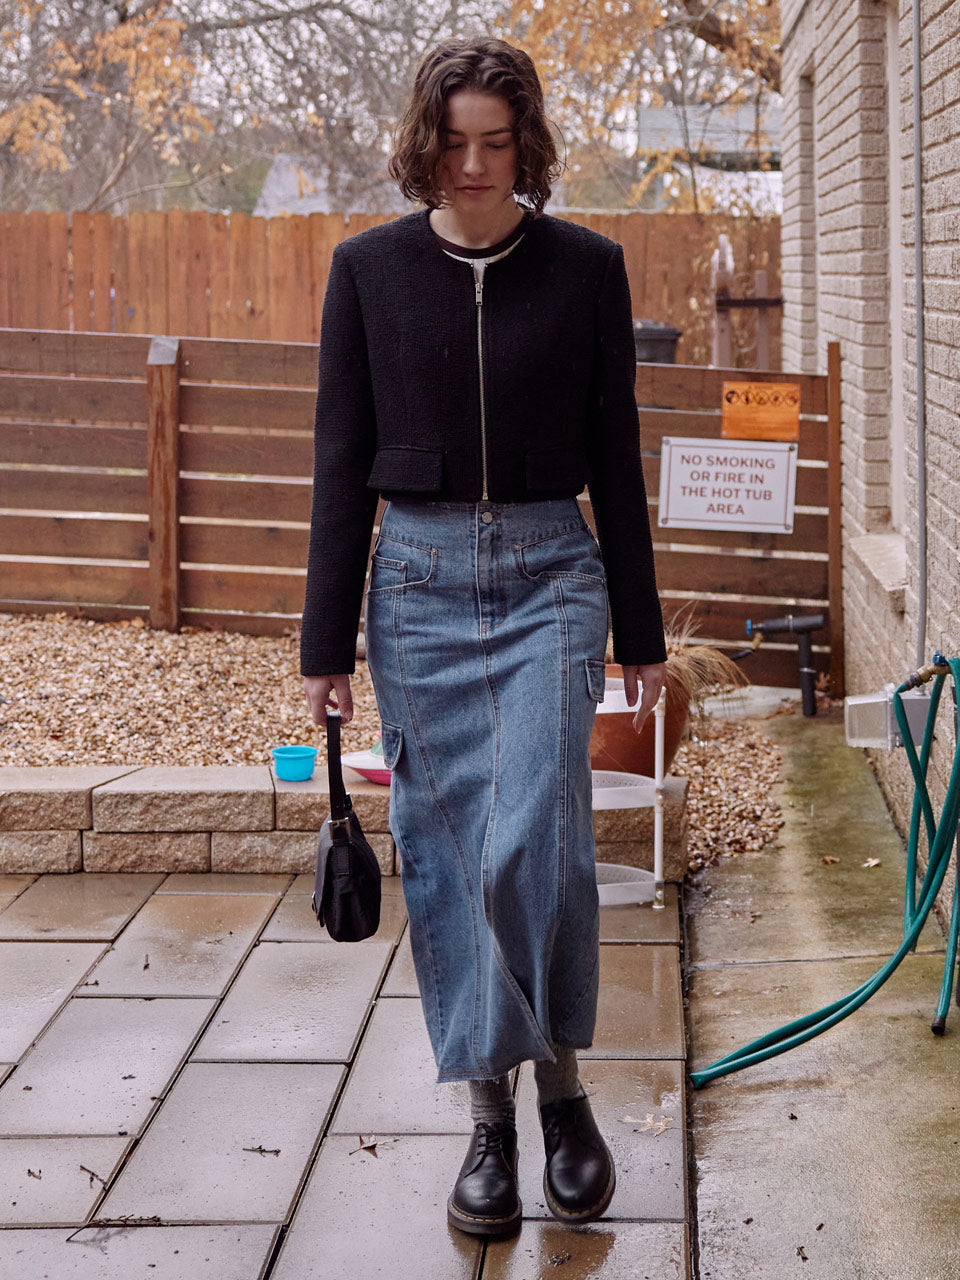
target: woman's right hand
<point>318,690</point>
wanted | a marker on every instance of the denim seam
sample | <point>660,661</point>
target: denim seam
<point>402,564</point>
<point>504,968</point>
<point>587,987</point>
<point>431,782</point>
<point>424,914</point>
<point>518,549</point>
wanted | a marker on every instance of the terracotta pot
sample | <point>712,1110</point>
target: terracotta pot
<point>616,745</point>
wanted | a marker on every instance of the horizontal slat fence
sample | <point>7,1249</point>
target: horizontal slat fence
<point>724,578</point>
<point>75,492</point>
<point>236,276</point>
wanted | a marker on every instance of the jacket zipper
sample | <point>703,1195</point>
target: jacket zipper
<point>478,281</point>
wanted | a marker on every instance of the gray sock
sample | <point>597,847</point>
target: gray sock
<point>556,1080</point>
<point>492,1101</point>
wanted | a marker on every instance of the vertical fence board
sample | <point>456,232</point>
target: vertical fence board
<point>259,309</point>
<point>238,308</point>
<point>198,269</point>
<point>219,250</point>
<point>282,321</point>
<point>55,266</point>
<point>32,228</point>
<point>81,253</point>
<point>326,232</point>
<point>6,260</point>
<point>179,282</point>
<point>301,301</point>
<point>120,257</point>
<point>101,274</point>
<point>136,278</point>
<point>155,272</point>
<point>163,480</point>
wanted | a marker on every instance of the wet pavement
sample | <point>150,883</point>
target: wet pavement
<point>191,1068</point>
<point>838,1159</point>
<point>198,1082</point>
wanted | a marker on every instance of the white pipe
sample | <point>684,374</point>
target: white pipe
<point>660,711</point>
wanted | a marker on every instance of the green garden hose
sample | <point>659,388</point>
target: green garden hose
<point>940,840</point>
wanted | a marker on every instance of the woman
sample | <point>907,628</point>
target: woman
<point>477,370</point>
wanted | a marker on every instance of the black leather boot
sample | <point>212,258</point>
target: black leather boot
<point>485,1200</point>
<point>579,1177</point>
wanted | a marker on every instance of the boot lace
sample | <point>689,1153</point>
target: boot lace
<point>490,1138</point>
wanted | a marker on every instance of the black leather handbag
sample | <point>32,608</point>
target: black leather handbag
<point>346,894</point>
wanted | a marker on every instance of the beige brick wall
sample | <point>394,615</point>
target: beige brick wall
<point>836,155</point>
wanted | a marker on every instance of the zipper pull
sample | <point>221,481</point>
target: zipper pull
<point>479,286</point>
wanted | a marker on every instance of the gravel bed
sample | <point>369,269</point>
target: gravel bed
<point>74,691</point>
<point>732,768</point>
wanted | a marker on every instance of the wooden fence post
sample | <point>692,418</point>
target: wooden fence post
<point>163,481</point>
<point>835,519</point>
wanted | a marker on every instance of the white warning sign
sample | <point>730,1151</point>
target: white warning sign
<point>748,485</point>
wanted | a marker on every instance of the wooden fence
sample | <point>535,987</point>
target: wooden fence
<point>213,276</point>
<point>179,491</point>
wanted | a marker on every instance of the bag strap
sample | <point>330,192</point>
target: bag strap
<point>340,805</point>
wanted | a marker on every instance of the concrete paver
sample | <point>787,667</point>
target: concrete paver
<point>15,882</point>
<point>294,921</point>
<point>122,1253</point>
<point>195,1163</point>
<point>79,906</point>
<point>182,945</point>
<point>402,978</point>
<point>99,1067</point>
<point>640,1009</point>
<point>366,1215</point>
<point>596,1251</point>
<point>638,922</point>
<point>223,882</point>
<point>297,1001</point>
<point>651,1172</point>
<point>392,1087</point>
<point>35,979</point>
<point>48,1180</point>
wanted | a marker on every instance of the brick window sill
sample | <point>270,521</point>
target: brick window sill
<point>883,556</point>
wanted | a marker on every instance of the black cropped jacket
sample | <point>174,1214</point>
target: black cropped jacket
<point>399,409</point>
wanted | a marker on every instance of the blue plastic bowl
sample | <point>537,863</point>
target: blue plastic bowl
<point>294,764</point>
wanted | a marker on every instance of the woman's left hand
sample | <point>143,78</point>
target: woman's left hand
<point>651,680</point>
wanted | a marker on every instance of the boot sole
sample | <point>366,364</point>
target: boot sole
<point>478,1226</point>
<point>582,1215</point>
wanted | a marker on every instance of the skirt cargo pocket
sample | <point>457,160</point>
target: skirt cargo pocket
<point>596,678</point>
<point>391,738</point>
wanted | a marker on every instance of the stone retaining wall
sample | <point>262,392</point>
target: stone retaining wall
<point>236,818</point>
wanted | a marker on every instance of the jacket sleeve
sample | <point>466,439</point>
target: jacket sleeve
<point>343,510</point>
<point>617,491</point>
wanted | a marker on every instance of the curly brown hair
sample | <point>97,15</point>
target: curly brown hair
<point>490,66</point>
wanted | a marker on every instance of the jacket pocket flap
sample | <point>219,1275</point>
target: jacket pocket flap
<point>596,678</point>
<point>391,739</point>
<point>407,468</point>
<point>556,469</point>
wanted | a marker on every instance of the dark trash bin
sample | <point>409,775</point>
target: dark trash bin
<point>655,343</point>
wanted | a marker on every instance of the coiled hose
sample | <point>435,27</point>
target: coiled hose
<point>940,839</point>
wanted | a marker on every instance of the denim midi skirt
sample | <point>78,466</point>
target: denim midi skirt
<point>485,626</point>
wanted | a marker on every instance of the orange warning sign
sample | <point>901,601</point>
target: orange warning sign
<point>761,411</point>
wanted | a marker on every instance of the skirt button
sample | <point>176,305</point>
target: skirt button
<point>487,517</point>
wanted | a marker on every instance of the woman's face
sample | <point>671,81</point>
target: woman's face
<point>478,168</point>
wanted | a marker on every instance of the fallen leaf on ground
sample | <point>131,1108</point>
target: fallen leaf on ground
<point>829,860</point>
<point>872,862</point>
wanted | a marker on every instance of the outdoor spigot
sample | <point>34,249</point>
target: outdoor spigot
<point>801,628</point>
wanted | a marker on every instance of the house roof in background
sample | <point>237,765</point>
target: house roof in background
<point>721,131</point>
